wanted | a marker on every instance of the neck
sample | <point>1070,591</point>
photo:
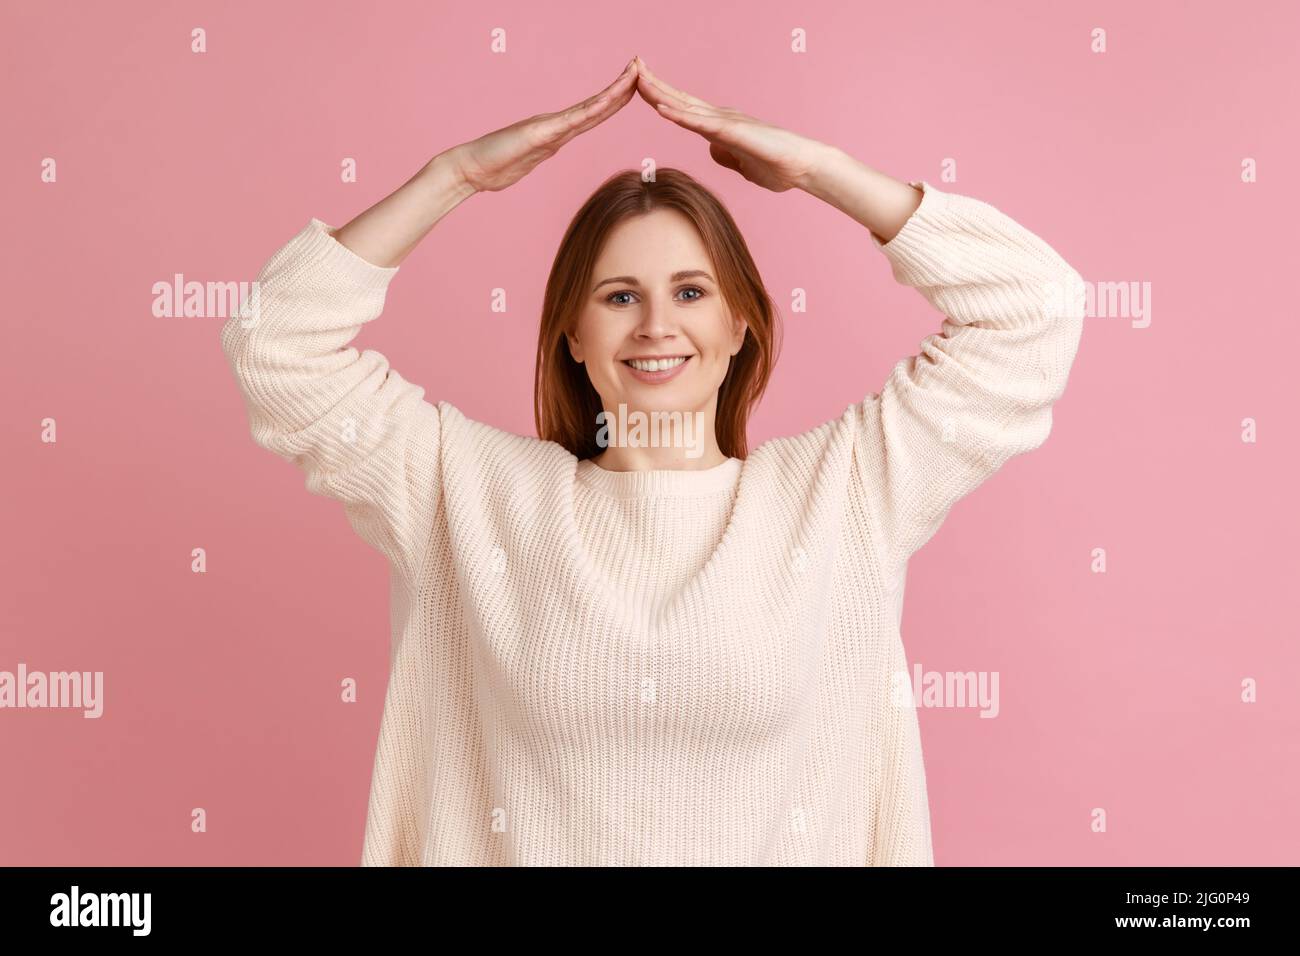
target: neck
<point>656,441</point>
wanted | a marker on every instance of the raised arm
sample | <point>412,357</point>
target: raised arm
<point>981,389</point>
<point>361,433</point>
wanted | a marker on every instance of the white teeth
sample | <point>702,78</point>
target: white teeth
<point>656,365</point>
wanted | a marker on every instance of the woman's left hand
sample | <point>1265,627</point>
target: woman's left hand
<point>766,155</point>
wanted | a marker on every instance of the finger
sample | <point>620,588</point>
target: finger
<point>625,81</point>
<point>579,111</point>
<point>667,88</point>
<point>591,111</point>
<point>694,118</point>
<point>598,109</point>
<point>613,99</point>
<point>654,95</point>
<point>619,91</point>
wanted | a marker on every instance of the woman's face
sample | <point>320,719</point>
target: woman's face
<point>654,295</point>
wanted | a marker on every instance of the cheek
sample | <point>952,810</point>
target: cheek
<point>718,339</point>
<point>602,340</point>
<point>594,348</point>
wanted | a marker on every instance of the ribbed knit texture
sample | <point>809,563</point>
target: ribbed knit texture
<point>666,667</point>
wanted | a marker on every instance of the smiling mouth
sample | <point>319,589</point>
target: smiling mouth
<point>656,365</point>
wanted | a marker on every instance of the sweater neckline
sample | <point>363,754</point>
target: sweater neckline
<point>659,482</point>
<point>643,619</point>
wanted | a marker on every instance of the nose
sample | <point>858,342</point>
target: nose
<point>656,318</point>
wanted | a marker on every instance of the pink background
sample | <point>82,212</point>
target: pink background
<point>1118,690</point>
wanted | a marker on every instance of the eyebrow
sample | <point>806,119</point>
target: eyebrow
<point>675,277</point>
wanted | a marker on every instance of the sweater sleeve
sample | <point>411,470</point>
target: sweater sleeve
<point>362,434</point>
<point>981,389</point>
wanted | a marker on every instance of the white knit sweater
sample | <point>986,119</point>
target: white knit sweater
<point>662,667</point>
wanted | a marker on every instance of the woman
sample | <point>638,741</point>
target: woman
<point>622,652</point>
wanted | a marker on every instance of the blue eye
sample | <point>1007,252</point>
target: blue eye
<point>610,298</point>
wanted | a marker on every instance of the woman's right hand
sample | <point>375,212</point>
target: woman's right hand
<point>505,156</point>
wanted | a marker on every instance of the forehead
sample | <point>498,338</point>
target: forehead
<point>662,240</point>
